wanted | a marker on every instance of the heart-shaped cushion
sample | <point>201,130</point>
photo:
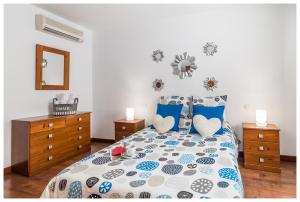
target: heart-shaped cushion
<point>163,125</point>
<point>206,127</point>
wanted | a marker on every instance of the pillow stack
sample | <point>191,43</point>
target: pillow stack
<point>203,115</point>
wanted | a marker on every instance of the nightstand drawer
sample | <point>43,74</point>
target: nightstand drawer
<point>119,135</point>
<point>268,148</point>
<point>262,160</point>
<point>124,127</point>
<point>261,135</point>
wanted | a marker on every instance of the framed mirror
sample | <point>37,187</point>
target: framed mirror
<point>52,68</point>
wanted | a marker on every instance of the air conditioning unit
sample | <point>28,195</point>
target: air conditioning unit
<point>48,25</point>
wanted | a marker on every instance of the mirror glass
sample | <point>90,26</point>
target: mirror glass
<point>52,69</point>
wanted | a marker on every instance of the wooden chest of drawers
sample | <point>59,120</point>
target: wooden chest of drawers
<point>261,147</point>
<point>40,142</point>
<point>126,128</point>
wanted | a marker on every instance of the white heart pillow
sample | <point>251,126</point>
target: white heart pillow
<point>163,125</point>
<point>206,127</point>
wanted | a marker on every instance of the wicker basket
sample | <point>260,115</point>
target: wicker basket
<point>64,109</point>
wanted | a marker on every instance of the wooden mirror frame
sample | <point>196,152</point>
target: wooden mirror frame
<point>39,68</point>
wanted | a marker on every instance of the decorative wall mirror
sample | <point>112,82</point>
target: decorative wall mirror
<point>52,68</point>
<point>184,65</point>
<point>157,55</point>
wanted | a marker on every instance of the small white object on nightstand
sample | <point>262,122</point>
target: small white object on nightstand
<point>129,114</point>
<point>261,117</point>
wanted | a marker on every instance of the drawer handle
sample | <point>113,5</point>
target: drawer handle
<point>50,146</point>
<point>50,136</point>
<point>260,136</point>
<point>123,127</point>
<point>79,137</point>
<point>79,146</point>
<point>261,148</point>
<point>50,158</point>
<point>261,160</point>
<point>79,119</point>
<point>80,128</point>
<point>50,125</point>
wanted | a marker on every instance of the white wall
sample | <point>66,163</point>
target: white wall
<point>20,97</point>
<point>288,129</point>
<point>250,65</point>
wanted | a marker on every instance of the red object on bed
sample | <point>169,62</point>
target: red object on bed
<point>117,151</point>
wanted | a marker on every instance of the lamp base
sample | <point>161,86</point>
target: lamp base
<point>261,124</point>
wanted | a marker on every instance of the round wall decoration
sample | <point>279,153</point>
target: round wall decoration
<point>158,84</point>
<point>157,55</point>
<point>184,65</point>
<point>210,83</point>
<point>210,48</point>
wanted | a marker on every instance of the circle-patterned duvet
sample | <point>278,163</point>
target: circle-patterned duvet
<point>170,165</point>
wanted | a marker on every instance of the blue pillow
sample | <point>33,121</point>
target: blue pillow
<point>208,112</point>
<point>170,110</point>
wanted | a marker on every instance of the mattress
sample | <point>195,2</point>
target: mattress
<point>170,165</point>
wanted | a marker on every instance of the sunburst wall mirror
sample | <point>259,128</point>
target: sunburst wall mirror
<point>158,84</point>
<point>210,83</point>
<point>184,65</point>
<point>210,48</point>
<point>157,55</point>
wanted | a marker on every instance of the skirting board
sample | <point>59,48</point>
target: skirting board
<point>110,141</point>
<point>7,170</point>
<point>282,157</point>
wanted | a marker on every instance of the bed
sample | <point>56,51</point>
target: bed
<point>170,165</point>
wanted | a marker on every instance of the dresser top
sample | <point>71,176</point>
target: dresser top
<point>47,117</point>
<point>254,126</point>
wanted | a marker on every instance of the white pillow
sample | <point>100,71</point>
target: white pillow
<point>163,125</point>
<point>206,127</point>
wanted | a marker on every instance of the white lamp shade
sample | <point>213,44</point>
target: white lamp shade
<point>129,114</point>
<point>261,117</point>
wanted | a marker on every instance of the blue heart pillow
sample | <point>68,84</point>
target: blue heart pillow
<point>208,113</point>
<point>170,110</point>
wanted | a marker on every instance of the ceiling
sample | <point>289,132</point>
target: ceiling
<point>112,16</point>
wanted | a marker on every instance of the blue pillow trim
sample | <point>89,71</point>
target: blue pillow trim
<point>208,112</point>
<point>170,110</point>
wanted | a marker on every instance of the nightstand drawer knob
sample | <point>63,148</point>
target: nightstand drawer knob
<point>50,136</point>
<point>50,158</point>
<point>79,119</point>
<point>261,160</point>
<point>50,125</point>
<point>123,127</point>
<point>261,148</point>
<point>50,146</point>
<point>79,146</point>
<point>79,137</point>
<point>80,128</point>
<point>260,136</point>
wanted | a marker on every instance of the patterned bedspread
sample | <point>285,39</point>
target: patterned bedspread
<point>171,165</point>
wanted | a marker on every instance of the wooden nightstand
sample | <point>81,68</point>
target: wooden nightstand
<point>127,128</point>
<point>261,147</point>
